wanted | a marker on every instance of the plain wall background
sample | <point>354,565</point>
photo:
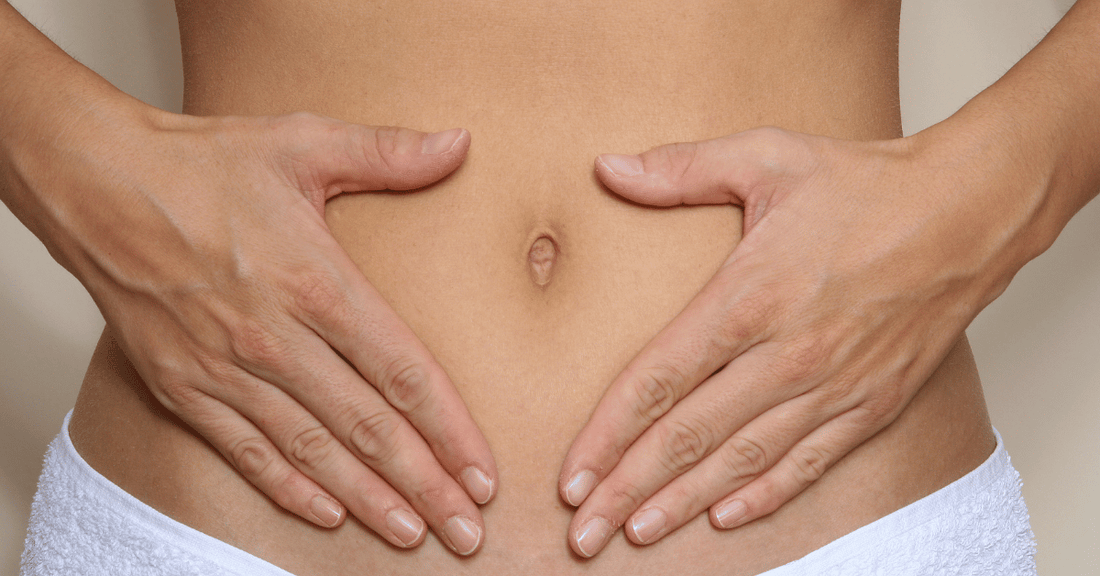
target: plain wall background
<point>1038,346</point>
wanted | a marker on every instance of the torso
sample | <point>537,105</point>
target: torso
<point>543,87</point>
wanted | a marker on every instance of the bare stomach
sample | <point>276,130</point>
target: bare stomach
<point>530,342</point>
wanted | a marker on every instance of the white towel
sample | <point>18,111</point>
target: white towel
<point>82,524</point>
<point>975,526</point>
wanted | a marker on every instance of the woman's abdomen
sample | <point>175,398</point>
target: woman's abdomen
<point>530,283</point>
<point>533,286</point>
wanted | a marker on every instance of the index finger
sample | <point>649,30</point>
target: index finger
<point>357,322</point>
<point>711,331</point>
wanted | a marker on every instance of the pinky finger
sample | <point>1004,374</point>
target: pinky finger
<point>799,468</point>
<point>261,463</point>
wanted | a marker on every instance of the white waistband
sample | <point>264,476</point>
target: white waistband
<point>82,523</point>
<point>978,520</point>
<point>977,525</point>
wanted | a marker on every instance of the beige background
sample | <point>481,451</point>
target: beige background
<point>1038,346</point>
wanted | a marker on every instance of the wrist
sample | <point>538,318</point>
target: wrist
<point>994,181</point>
<point>61,133</point>
<point>1012,167</point>
<point>1036,130</point>
<point>44,93</point>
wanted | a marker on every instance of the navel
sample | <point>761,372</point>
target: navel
<point>541,258</point>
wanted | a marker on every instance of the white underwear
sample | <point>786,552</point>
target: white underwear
<point>82,524</point>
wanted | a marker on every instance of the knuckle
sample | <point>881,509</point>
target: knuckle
<point>384,149</point>
<point>218,370</point>
<point>176,393</point>
<point>749,316</point>
<point>312,446</point>
<point>673,160</point>
<point>405,384</point>
<point>252,457</point>
<point>685,443</point>
<point>768,495</point>
<point>838,394</point>
<point>883,406</point>
<point>374,438</point>
<point>891,398</point>
<point>436,493</point>
<point>744,459</point>
<point>625,497</point>
<point>684,499</point>
<point>867,416</point>
<point>255,344</point>
<point>809,463</point>
<point>804,358</point>
<point>320,296</point>
<point>654,392</point>
<point>685,155</point>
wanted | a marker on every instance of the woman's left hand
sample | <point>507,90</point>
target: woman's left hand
<point>860,266</point>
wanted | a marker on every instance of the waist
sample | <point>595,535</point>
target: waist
<point>122,433</point>
<point>535,74</point>
<point>531,354</point>
<point>532,296</point>
<point>530,360</point>
<point>79,503</point>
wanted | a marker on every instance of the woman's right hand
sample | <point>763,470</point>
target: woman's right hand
<point>204,244</point>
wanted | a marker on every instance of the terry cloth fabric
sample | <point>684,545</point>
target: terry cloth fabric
<point>83,525</point>
<point>975,526</point>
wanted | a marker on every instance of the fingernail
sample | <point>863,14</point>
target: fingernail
<point>325,510</point>
<point>463,534</point>
<point>621,164</point>
<point>477,484</point>
<point>441,142</point>
<point>405,525</point>
<point>592,536</point>
<point>649,524</point>
<point>579,487</point>
<point>731,513</point>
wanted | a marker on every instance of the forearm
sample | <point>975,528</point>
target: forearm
<point>1036,132</point>
<point>53,111</point>
<point>38,80</point>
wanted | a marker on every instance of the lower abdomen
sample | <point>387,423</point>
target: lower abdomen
<point>531,351</point>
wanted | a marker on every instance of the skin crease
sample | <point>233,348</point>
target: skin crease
<point>211,331</point>
<point>448,277</point>
<point>835,406</point>
<point>453,260</point>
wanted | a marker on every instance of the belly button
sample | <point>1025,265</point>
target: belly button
<point>541,259</point>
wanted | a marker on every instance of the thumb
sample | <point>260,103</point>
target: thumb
<point>337,157</point>
<point>725,170</point>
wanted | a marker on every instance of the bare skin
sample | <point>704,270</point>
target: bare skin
<point>531,335</point>
<point>171,222</point>
<point>534,287</point>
